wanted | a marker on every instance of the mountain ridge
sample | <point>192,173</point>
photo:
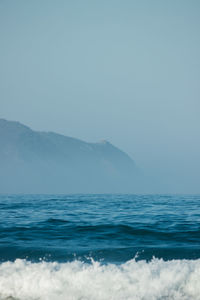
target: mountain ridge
<point>48,161</point>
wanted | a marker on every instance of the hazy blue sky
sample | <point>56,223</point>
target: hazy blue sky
<point>125,71</point>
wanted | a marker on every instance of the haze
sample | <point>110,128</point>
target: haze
<point>124,71</point>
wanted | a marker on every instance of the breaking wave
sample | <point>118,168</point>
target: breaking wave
<point>137,280</point>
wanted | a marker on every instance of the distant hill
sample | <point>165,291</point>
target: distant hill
<point>47,162</point>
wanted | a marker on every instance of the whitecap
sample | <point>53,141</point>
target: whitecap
<point>141,280</point>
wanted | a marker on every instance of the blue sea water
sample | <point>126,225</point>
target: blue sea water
<point>100,246</point>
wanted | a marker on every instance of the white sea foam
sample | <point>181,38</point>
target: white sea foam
<point>177,279</point>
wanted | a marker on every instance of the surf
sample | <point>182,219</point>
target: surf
<point>137,280</point>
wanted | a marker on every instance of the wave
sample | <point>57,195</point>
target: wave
<point>129,229</point>
<point>133,280</point>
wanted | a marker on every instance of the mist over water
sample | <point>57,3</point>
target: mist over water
<point>99,150</point>
<point>127,73</point>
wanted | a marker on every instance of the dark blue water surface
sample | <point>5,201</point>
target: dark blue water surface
<point>111,228</point>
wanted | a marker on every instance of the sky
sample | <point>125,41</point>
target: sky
<point>124,71</point>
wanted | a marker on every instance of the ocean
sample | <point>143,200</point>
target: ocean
<point>96,247</point>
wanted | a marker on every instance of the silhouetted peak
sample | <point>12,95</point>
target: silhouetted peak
<point>47,161</point>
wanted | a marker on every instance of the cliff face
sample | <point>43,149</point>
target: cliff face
<point>46,162</point>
